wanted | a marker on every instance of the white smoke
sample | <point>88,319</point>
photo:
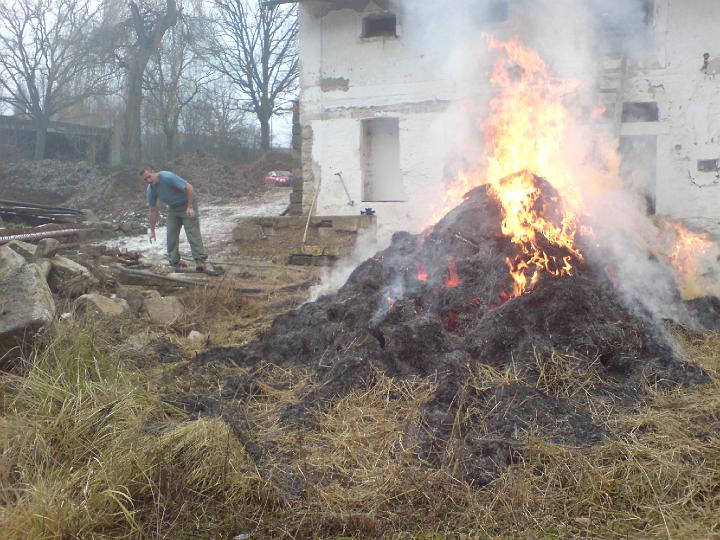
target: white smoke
<point>575,38</point>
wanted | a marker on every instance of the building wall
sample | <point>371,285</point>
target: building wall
<point>346,79</point>
<point>670,73</point>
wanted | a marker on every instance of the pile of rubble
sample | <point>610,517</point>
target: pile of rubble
<point>35,279</point>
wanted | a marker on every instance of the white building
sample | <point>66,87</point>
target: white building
<point>382,85</point>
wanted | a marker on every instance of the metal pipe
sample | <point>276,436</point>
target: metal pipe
<point>41,235</point>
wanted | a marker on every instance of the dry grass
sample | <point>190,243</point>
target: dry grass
<point>88,450</point>
<point>565,376</point>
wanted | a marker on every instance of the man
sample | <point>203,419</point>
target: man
<point>179,196</point>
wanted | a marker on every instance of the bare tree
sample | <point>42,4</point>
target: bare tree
<point>149,24</point>
<point>256,48</point>
<point>215,123</point>
<point>175,77</point>
<point>47,59</point>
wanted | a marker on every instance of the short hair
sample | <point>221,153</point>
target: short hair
<point>146,168</point>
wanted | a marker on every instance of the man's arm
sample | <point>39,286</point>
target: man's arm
<point>190,192</point>
<point>152,218</point>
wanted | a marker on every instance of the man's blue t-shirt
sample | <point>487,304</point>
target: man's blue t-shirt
<point>170,189</point>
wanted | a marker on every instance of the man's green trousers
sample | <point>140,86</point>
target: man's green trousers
<point>176,218</point>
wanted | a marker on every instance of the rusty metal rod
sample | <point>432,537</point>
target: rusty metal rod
<point>41,235</point>
<point>18,204</point>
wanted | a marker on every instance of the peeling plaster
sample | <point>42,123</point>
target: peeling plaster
<point>334,84</point>
<point>433,106</point>
<point>322,8</point>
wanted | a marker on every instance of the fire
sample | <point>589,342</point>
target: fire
<point>691,257</point>
<point>598,111</point>
<point>524,139</point>
<point>422,274</point>
<point>452,279</point>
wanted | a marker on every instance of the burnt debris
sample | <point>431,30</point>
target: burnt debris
<point>439,305</point>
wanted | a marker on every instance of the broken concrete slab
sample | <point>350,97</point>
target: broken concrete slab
<point>23,248</point>
<point>45,267</point>
<point>164,310</point>
<point>102,305</point>
<point>10,260</point>
<point>69,278</point>
<point>26,303</point>
<point>47,248</point>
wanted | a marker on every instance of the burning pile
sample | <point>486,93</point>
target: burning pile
<point>502,303</point>
<point>441,305</point>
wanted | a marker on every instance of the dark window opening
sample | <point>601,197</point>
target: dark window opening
<point>648,12</point>
<point>380,151</point>
<point>638,167</point>
<point>498,12</point>
<point>380,25</point>
<point>640,112</point>
<point>708,165</point>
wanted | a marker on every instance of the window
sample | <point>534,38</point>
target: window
<point>640,112</point>
<point>648,12</point>
<point>638,167</point>
<point>708,165</point>
<point>380,25</point>
<point>382,181</point>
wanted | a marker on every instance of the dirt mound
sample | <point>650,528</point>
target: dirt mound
<point>74,184</point>
<point>437,306</point>
<point>219,179</point>
<point>112,191</point>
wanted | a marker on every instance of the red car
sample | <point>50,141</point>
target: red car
<point>279,178</point>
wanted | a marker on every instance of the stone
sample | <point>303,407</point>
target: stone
<point>47,248</point>
<point>26,303</point>
<point>133,296</point>
<point>137,343</point>
<point>101,305</point>
<point>196,338</point>
<point>125,227</point>
<point>69,278</point>
<point>23,248</point>
<point>165,310</point>
<point>10,260</point>
<point>45,267</point>
<point>150,293</point>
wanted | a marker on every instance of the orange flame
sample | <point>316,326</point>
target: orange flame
<point>598,111</point>
<point>422,274</point>
<point>689,257</point>
<point>524,140</point>
<point>452,279</point>
<point>525,134</point>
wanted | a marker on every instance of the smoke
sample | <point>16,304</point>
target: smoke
<point>334,278</point>
<point>577,39</point>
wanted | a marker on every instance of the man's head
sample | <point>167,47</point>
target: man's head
<point>148,174</point>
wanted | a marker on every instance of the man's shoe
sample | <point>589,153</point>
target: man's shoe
<point>200,265</point>
<point>178,265</point>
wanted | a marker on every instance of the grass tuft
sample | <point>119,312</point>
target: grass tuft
<point>88,449</point>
